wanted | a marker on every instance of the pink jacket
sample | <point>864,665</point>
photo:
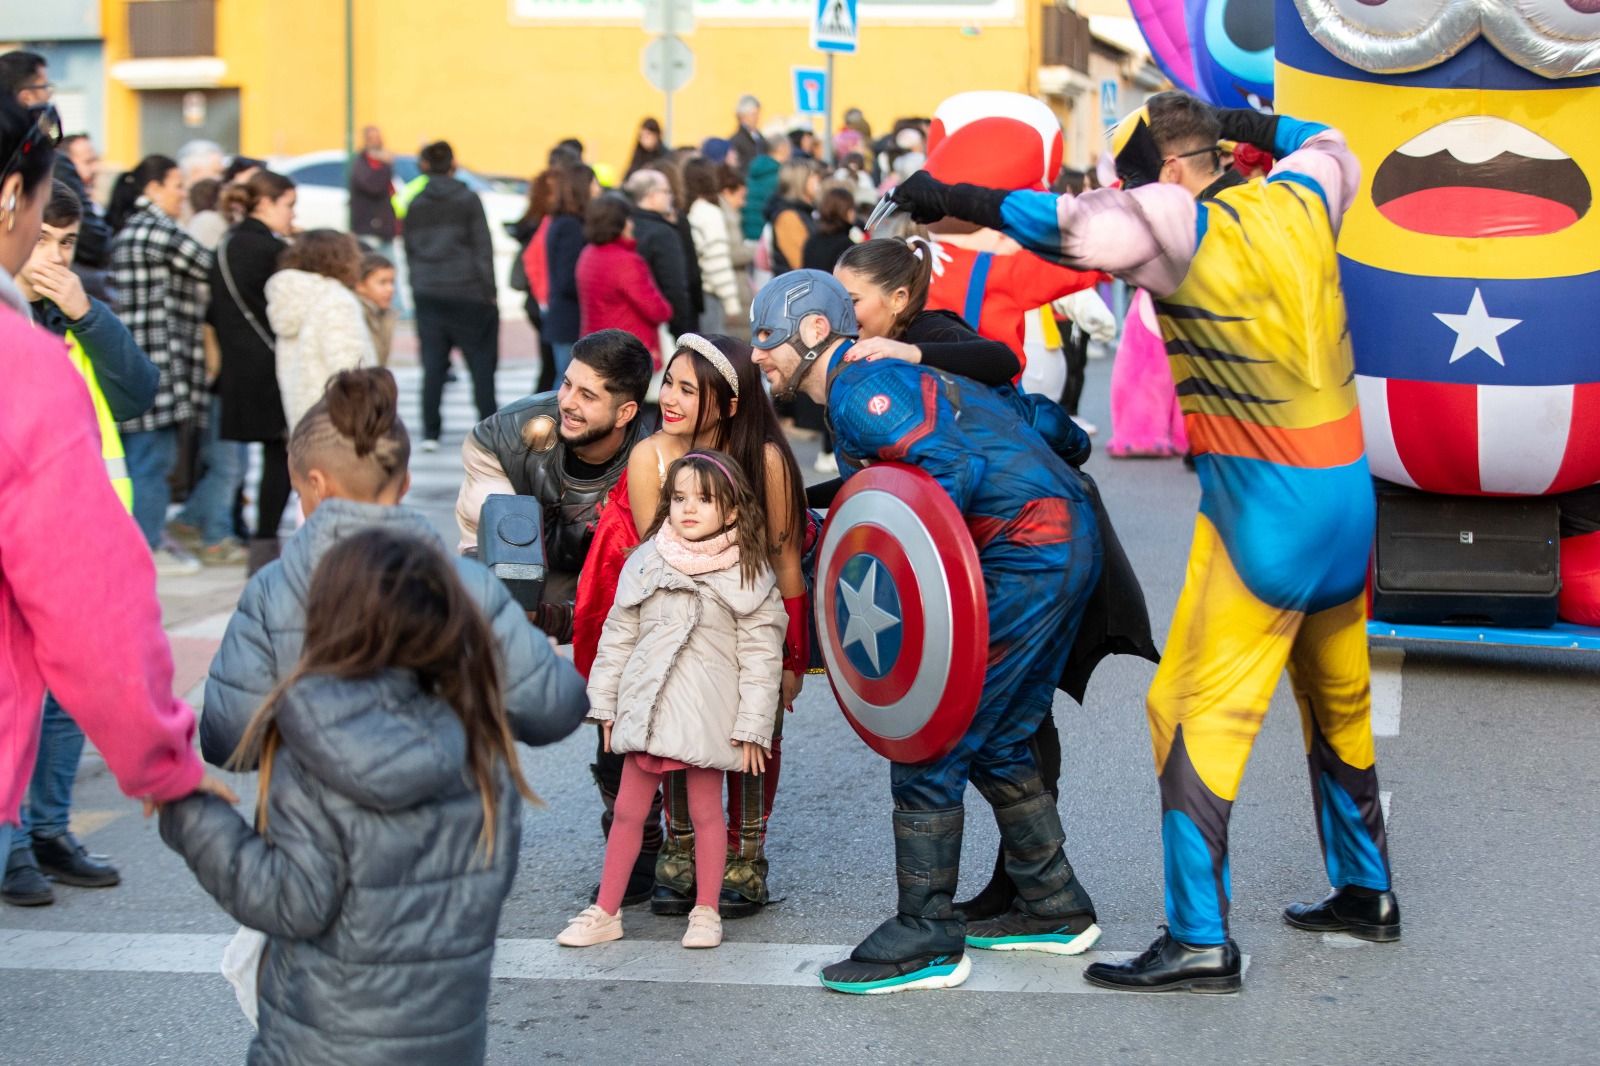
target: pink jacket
<point>78,607</point>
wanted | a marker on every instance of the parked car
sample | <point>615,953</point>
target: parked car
<point>324,203</point>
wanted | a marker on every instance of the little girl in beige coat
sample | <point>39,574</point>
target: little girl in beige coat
<point>686,677</point>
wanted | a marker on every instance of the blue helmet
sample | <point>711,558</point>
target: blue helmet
<point>785,301</point>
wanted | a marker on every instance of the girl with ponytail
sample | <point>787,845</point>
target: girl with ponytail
<point>888,280</point>
<point>349,460</point>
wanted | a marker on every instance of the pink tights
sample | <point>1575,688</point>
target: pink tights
<point>627,832</point>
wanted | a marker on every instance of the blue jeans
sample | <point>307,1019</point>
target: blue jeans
<point>563,360</point>
<point>49,802</point>
<point>151,456</point>
<point>210,505</point>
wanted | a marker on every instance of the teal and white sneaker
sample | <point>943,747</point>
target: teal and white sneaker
<point>1018,930</point>
<point>877,978</point>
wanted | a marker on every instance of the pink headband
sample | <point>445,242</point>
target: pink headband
<point>714,461</point>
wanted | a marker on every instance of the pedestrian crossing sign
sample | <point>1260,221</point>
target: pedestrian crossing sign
<point>834,27</point>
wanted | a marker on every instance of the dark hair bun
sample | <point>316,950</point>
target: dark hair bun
<point>363,406</point>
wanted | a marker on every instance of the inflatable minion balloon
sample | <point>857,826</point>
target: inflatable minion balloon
<point>1471,257</point>
<point>1219,50</point>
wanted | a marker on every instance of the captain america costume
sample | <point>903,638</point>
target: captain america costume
<point>1251,310</point>
<point>997,455</point>
<point>1030,519</point>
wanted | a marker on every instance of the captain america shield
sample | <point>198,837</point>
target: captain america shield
<point>901,613</point>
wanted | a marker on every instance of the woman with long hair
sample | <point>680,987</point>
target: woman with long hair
<point>887,280</point>
<point>648,149</point>
<point>713,246</point>
<point>563,242</point>
<point>389,788</point>
<point>712,396</point>
<point>160,273</point>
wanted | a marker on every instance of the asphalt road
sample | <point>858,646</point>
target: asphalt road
<point>1493,792</point>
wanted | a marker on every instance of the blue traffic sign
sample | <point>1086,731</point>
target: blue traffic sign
<point>835,27</point>
<point>810,91</point>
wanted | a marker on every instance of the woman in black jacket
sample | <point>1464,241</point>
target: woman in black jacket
<point>647,147</point>
<point>563,241</point>
<point>262,210</point>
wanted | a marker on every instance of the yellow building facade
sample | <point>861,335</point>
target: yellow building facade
<point>503,80</point>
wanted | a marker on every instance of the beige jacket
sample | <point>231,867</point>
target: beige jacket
<point>688,664</point>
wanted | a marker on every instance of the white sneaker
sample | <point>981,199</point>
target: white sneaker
<point>1086,425</point>
<point>592,926</point>
<point>705,928</point>
<point>430,445</point>
<point>827,463</point>
<point>171,564</point>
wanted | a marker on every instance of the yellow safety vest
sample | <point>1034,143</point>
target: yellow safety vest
<point>408,192</point>
<point>110,439</point>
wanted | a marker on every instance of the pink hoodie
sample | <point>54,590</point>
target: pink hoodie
<point>78,607</point>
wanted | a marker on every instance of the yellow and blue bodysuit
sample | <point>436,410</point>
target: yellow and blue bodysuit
<point>1247,293</point>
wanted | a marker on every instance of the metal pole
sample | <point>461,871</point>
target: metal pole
<point>349,79</point>
<point>669,29</point>
<point>827,115</point>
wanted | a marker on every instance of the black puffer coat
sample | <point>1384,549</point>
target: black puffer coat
<point>379,906</point>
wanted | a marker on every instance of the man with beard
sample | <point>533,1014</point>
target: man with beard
<point>567,449</point>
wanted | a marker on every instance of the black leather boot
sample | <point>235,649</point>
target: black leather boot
<point>25,885</point>
<point>922,946</point>
<point>1363,913</point>
<point>997,896</point>
<point>69,862</point>
<point>1170,965</point>
<point>1052,912</point>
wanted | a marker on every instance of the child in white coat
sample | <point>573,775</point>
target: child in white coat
<point>687,677</point>
<point>317,318</point>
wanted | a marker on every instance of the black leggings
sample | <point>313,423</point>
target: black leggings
<point>272,495</point>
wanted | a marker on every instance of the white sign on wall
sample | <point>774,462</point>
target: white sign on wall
<point>798,11</point>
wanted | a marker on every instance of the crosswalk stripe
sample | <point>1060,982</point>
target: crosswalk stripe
<point>651,961</point>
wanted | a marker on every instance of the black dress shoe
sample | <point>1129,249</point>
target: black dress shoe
<point>1170,965</point>
<point>637,892</point>
<point>65,860</point>
<point>24,885</point>
<point>1364,914</point>
<point>670,902</point>
<point>730,904</point>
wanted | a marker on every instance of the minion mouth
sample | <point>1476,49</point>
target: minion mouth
<point>1480,176</point>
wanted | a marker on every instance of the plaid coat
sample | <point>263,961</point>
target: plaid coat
<point>160,274</point>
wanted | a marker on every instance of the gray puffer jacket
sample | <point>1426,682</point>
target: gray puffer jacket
<point>544,695</point>
<point>379,906</point>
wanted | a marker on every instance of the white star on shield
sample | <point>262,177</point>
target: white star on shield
<point>864,618</point>
<point>1477,330</point>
